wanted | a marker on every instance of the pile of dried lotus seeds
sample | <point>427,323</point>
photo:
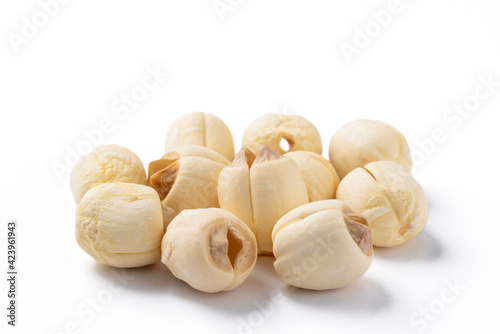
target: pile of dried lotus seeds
<point>208,213</point>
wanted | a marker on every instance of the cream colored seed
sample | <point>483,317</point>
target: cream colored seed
<point>393,203</point>
<point>107,163</point>
<point>363,141</point>
<point>322,245</point>
<point>270,130</point>
<point>188,183</point>
<point>210,249</point>
<point>260,189</point>
<point>319,175</point>
<point>202,129</point>
<point>120,224</point>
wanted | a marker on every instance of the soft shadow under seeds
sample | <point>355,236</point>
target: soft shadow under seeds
<point>423,247</point>
<point>364,294</point>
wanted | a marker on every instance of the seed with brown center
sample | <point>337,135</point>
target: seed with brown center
<point>322,245</point>
<point>387,195</point>
<point>210,249</point>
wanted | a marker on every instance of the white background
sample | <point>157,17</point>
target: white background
<point>263,56</point>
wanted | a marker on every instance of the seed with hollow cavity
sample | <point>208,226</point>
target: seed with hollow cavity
<point>210,249</point>
<point>271,129</point>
